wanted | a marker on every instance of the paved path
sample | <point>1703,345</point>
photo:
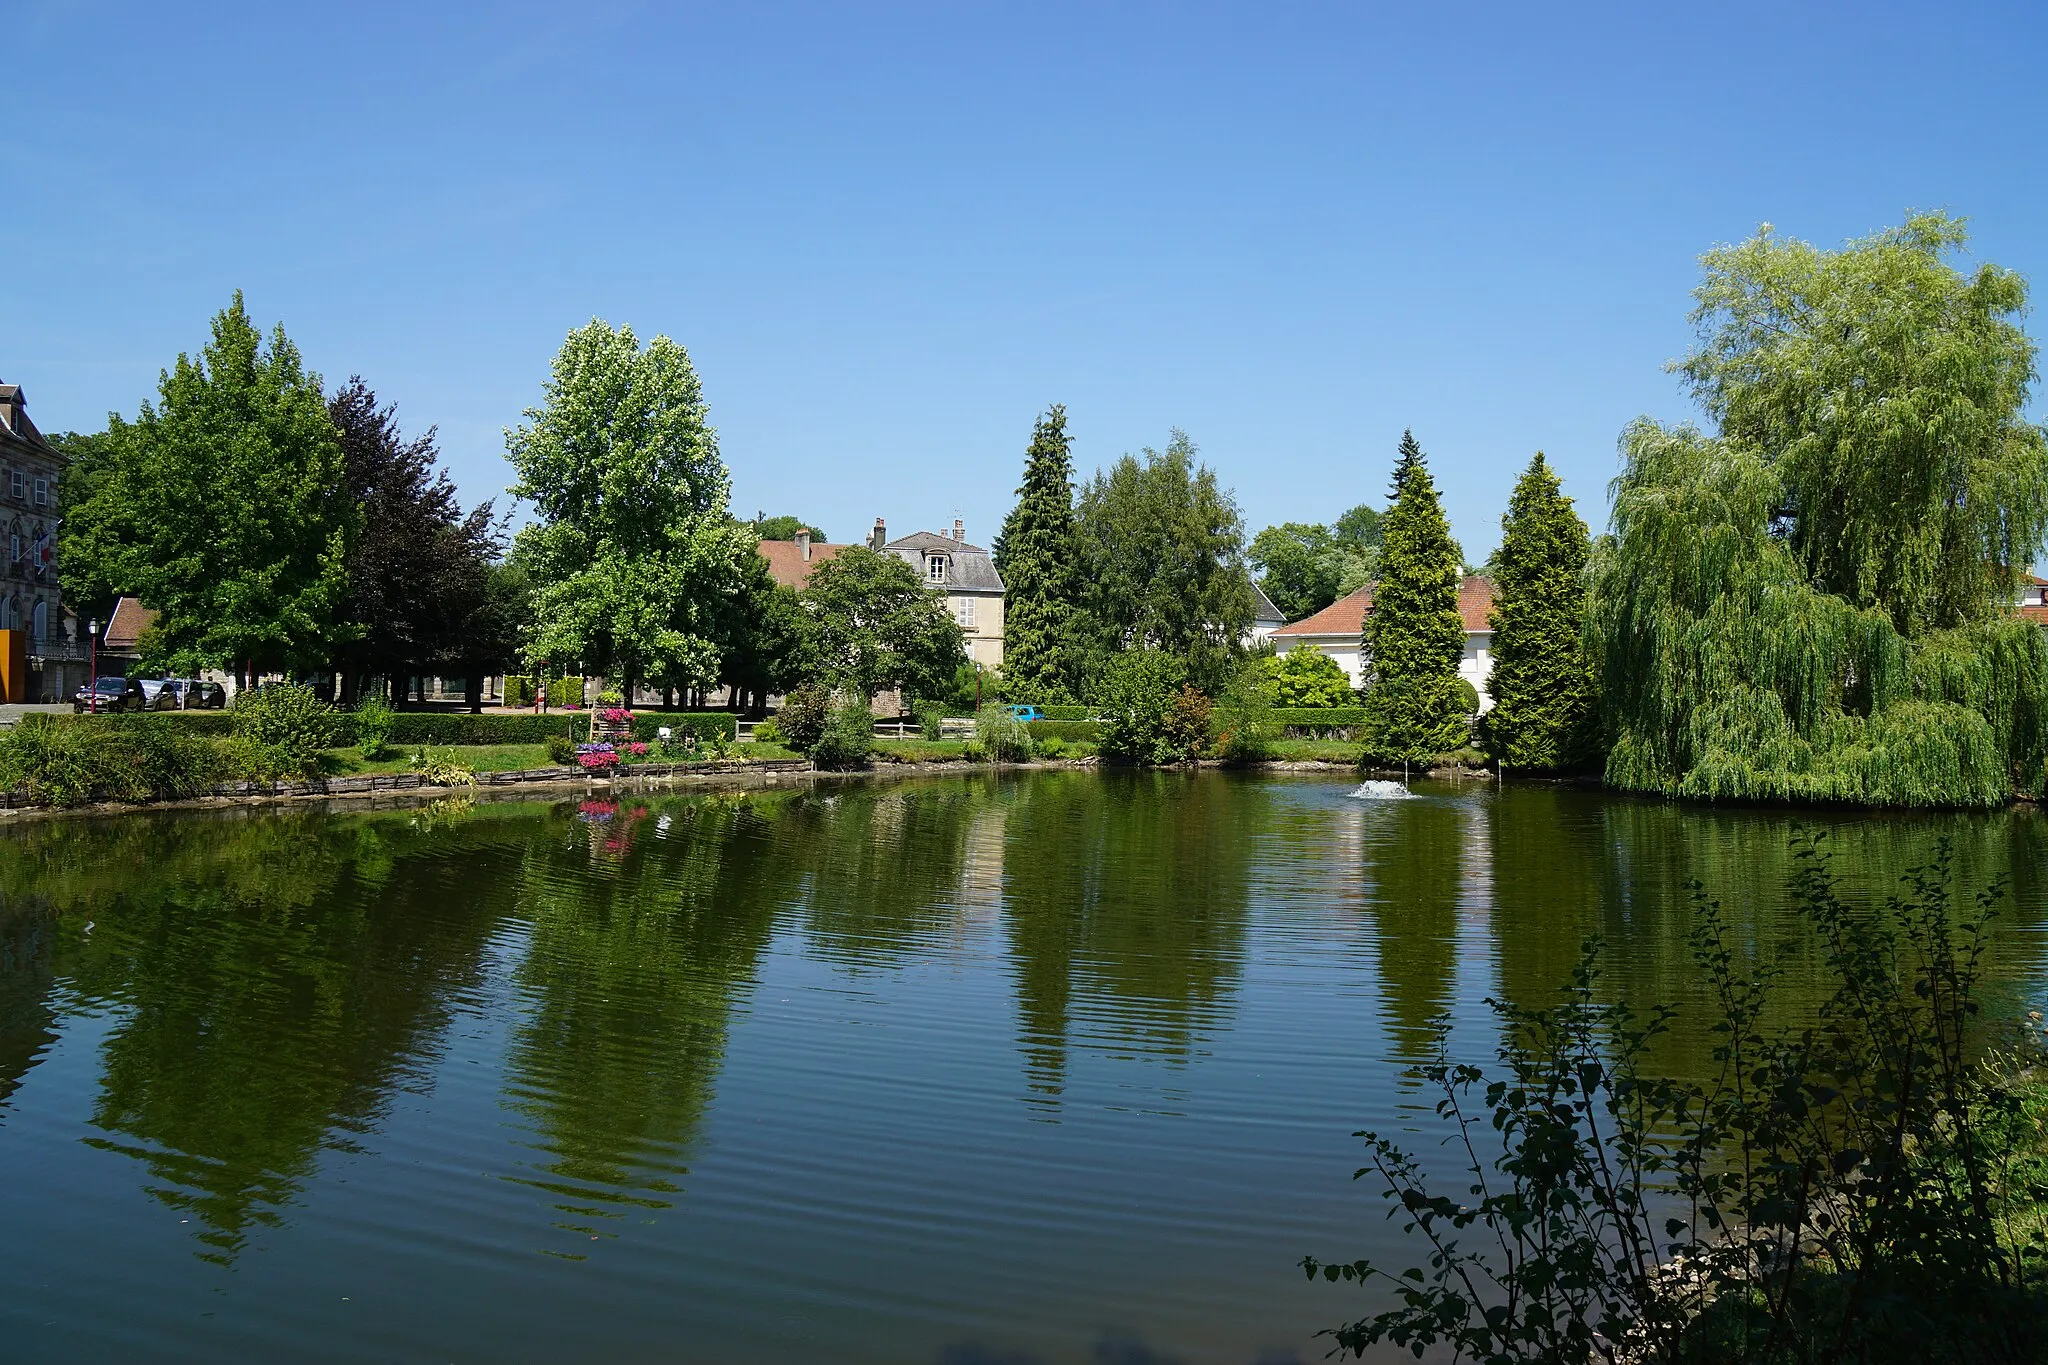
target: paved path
<point>11,712</point>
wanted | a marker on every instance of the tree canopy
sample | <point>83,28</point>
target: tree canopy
<point>1039,568</point>
<point>1161,549</point>
<point>878,626</point>
<point>1304,568</point>
<point>1413,636</point>
<point>632,553</point>
<point>785,528</point>
<point>419,574</point>
<point>1815,601</point>
<point>1542,682</point>
<point>223,506</point>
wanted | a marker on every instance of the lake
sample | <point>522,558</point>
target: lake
<point>981,1070</point>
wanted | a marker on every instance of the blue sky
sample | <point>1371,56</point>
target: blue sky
<point>890,235</point>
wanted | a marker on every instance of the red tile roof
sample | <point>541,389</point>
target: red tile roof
<point>125,628</point>
<point>1346,615</point>
<point>789,566</point>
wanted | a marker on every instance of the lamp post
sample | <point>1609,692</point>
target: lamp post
<point>92,668</point>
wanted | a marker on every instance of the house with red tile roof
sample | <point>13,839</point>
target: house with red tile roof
<point>791,561</point>
<point>1335,631</point>
<point>2033,601</point>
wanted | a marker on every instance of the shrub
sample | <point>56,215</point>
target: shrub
<point>1144,720</point>
<point>1187,723</point>
<point>803,717</point>
<point>561,750</point>
<point>1003,737</point>
<point>847,739</point>
<point>140,758</point>
<point>1052,746</point>
<point>768,732</point>
<point>931,720</point>
<point>1305,676</point>
<point>706,727</point>
<point>1072,731</point>
<point>280,730</point>
<point>611,697</point>
<point>1842,1190</point>
<point>372,722</point>
<point>1244,715</point>
<point>440,769</point>
<point>973,752</point>
<point>1468,696</point>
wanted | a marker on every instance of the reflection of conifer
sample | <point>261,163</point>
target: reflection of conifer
<point>27,1018</point>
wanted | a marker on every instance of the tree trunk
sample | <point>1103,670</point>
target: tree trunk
<point>473,685</point>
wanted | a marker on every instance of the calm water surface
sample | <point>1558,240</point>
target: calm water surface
<point>1047,1068</point>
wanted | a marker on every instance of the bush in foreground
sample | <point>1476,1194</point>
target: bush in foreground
<point>1003,737</point>
<point>847,739</point>
<point>1855,1190</point>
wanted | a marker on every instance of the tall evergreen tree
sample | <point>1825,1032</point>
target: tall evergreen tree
<point>1038,566</point>
<point>1542,683</point>
<point>1413,636</point>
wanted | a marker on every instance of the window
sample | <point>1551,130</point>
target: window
<point>42,621</point>
<point>42,492</point>
<point>963,612</point>
<point>14,548</point>
<point>15,486</point>
<point>935,568</point>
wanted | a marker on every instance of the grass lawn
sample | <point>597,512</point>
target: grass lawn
<point>1329,750</point>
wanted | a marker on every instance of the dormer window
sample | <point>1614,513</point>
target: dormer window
<point>935,568</point>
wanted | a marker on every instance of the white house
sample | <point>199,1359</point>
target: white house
<point>1335,631</point>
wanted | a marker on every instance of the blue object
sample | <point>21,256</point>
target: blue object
<point>1027,713</point>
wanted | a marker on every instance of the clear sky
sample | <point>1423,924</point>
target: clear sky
<point>890,235</point>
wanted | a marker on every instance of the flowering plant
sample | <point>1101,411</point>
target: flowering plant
<point>637,749</point>
<point>616,715</point>
<point>596,756</point>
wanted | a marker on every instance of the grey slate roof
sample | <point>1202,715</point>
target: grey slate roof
<point>971,570</point>
<point>1264,613</point>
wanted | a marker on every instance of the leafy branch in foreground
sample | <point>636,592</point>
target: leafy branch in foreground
<point>1865,1187</point>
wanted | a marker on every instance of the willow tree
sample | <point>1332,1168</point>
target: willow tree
<point>1816,601</point>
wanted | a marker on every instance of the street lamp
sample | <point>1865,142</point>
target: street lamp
<point>92,669</point>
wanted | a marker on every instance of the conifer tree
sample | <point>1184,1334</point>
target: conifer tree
<point>1038,567</point>
<point>1413,635</point>
<point>1542,682</point>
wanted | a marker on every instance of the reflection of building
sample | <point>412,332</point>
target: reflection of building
<point>30,599</point>
<point>1335,631</point>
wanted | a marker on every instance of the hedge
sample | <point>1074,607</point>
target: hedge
<point>457,727</point>
<point>705,725</point>
<point>1086,730</point>
<point>1314,722</point>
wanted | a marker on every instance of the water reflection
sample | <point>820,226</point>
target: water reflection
<point>28,934</point>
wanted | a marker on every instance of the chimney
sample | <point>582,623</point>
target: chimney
<point>878,537</point>
<point>803,545</point>
<point>959,531</point>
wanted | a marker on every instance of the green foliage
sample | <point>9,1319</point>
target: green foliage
<point>372,720</point>
<point>1305,568</point>
<point>1003,737</point>
<point>1468,697</point>
<point>707,727</point>
<point>766,640</point>
<point>1244,715</point>
<point>561,750</point>
<point>785,528</point>
<point>1816,604</point>
<point>1360,531</point>
<point>1305,676</point>
<point>1413,634</point>
<point>1052,746</point>
<point>439,768</point>
<point>930,719</point>
<point>847,740</point>
<point>1150,712</point>
<point>223,507</point>
<point>878,626</point>
<point>803,716</point>
<point>1072,731</point>
<point>768,732</point>
<point>632,550</point>
<point>1039,565</point>
<point>1544,712</point>
<point>141,758</point>
<point>1837,1191</point>
<point>281,730</point>
<point>1162,564</point>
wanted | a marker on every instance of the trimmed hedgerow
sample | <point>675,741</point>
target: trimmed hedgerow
<point>705,725</point>
<point>1065,730</point>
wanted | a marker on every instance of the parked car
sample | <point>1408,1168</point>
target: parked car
<point>194,694</point>
<point>1026,713</point>
<point>105,694</point>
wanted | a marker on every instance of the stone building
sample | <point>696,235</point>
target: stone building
<point>965,574</point>
<point>31,598</point>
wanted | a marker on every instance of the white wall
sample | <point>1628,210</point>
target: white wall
<point>1475,667</point>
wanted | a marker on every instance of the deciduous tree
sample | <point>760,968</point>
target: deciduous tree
<point>223,506</point>
<point>632,553</point>
<point>1542,682</point>
<point>1162,558</point>
<point>879,627</point>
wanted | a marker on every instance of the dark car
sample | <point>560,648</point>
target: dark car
<point>105,694</point>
